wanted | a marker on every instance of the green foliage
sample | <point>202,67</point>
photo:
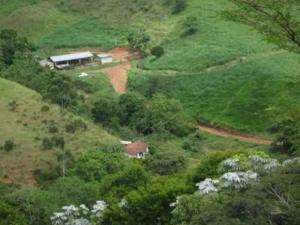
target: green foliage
<point>96,164</point>
<point>163,114</point>
<point>166,162</point>
<point>178,5</point>
<point>139,40</point>
<point>10,215</point>
<point>129,105</point>
<point>288,135</point>
<point>60,90</point>
<point>158,51</point>
<point>75,125</point>
<point>47,143</point>
<point>8,145</point>
<point>104,109</point>
<point>273,199</point>
<point>119,184</point>
<point>193,142</point>
<point>190,26</point>
<point>147,205</point>
<point>208,166</point>
<point>279,21</point>
<point>10,43</point>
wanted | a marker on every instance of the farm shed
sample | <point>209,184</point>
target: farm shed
<point>75,59</point>
<point>104,58</point>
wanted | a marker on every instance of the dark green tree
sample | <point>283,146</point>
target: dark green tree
<point>139,40</point>
<point>158,51</point>
<point>129,105</point>
<point>104,109</point>
<point>10,43</point>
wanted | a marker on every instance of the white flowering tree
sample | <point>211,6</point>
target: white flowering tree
<point>82,215</point>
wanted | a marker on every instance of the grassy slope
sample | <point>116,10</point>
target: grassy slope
<point>252,78</point>
<point>26,126</point>
<point>73,23</point>
<point>239,96</point>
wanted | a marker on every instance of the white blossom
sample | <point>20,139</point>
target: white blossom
<point>173,204</point>
<point>207,186</point>
<point>258,160</point>
<point>123,203</point>
<point>237,180</point>
<point>82,215</point>
<point>271,165</point>
<point>231,164</point>
<point>291,161</point>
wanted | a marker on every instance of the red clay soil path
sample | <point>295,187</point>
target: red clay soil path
<point>118,74</point>
<point>232,134</point>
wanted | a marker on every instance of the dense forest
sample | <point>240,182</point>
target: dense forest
<point>210,87</point>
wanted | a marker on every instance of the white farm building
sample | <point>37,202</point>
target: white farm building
<point>104,58</point>
<point>69,60</point>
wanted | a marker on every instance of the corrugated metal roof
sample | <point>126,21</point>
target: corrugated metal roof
<point>104,56</point>
<point>74,56</point>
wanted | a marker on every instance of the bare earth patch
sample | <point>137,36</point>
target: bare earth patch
<point>118,74</point>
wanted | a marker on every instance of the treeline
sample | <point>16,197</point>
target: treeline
<point>18,63</point>
<point>147,116</point>
<point>137,195</point>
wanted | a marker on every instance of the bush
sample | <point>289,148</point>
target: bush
<point>193,142</point>
<point>45,108</point>
<point>104,110</point>
<point>157,51</point>
<point>47,143</point>
<point>12,105</point>
<point>75,125</point>
<point>190,26</point>
<point>139,40</point>
<point>166,162</point>
<point>179,6</point>
<point>52,127</point>
<point>8,145</point>
<point>58,141</point>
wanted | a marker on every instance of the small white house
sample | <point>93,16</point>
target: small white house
<point>137,149</point>
<point>104,58</point>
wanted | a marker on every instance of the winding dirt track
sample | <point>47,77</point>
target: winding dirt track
<point>232,134</point>
<point>118,76</point>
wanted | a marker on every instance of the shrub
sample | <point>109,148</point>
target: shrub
<point>8,145</point>
<point>139,40</point>
<point>12,105</point>
<point>58,141</point>
<point>179,6</point>
<point>190,26</point>
<point>45,108</point>
<point>52,127</point>
<point>104,110</point>
<point>157,51</point>
<point>75,125</point>
<point>47,143</point>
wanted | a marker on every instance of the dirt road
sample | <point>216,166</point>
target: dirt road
<point>232,134</point>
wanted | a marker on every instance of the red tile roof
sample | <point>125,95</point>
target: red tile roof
<point>136,148</point>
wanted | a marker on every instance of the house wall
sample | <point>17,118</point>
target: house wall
<point>106,60</point>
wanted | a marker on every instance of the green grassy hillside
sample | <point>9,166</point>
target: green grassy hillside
<point>26,121</point>
<point>76,23</point>
<point>225,73</point>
